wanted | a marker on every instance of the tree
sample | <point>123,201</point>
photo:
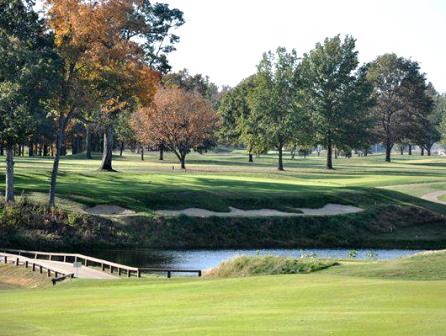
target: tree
<point>425,130</point>
<point>336,93</point>
<point>198,82</point>
<point>180,119</point>
<point>106,47</point>
<point>239,124</point>
<point>27,77</point>
<point>274,100</point>
<point>400,94</point>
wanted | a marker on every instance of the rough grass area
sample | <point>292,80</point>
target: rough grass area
<point>268,265</point>
<point>12,276</point>
<point>423,266</point>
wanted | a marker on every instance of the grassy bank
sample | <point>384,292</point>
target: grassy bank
<point>330,302</point>
<point>393,216</point>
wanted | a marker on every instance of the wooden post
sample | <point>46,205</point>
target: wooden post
<point>86,262</point>
<point>169,274</point>
<point>64,258</point>
<point>138,273</point>
<point>119,271</point>
<point>129,273</point>
<point>111,269</point>
<point>17,262</point>
<point>6,259</point>
<point>103,267</point>
<point>40,269</point>
<point>34,267</point>
<point>48,273</point>
<point>26,264</point>
<point>199,273</point>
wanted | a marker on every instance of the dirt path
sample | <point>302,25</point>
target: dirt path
<point>433,196</point>
<point>327,210</point>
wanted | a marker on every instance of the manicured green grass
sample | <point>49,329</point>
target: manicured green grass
<point>219,180</point>
<point>322,303</point>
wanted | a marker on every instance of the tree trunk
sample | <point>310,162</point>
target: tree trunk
<point>1,150</point>
<point>402,150</point>
<point>280,163</point>
<point>31,149</point>
<point>422,151</point>
<point>410,149</point>
<point>329,164</point>
<point>142,153</point>
<point>250,159</point>
<point>183,162</point>
<point>161,158</point>
<point>9,192</point>
<point>429,151</point>
<point>106,163</point>
<point>88,143</point>
<point>54,173</point>
<point>388,152</point>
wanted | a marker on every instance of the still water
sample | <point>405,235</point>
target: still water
<point>204,259</point>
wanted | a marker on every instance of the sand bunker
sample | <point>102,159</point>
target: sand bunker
<point>327,210</point>
<point>109,210</point>
<point>433,196</point>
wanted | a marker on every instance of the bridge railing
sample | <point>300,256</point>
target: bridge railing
<point>75,257</point>
<point>92,262</point>
<point>34,265</point>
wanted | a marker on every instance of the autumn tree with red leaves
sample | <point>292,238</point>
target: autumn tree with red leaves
<point>181,120</point>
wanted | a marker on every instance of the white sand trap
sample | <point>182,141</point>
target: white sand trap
<point>327,210</point>
<point>433,196</point>
<point>109,210</point>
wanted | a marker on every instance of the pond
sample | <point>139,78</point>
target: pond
<point>205,259</point>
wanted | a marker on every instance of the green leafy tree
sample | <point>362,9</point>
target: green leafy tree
<point>239,124</point>
<point>336,93</point>
<point>274,100</point>
<point>27,77</point>
<point>400,91</point>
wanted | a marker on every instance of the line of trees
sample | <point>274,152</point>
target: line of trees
<point>78,69</point>
<point>326,98</point>
<point>93,76</point>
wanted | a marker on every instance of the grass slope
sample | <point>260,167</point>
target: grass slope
<point>13,277</point>
<point>316,304</point>
<point>423,266</point>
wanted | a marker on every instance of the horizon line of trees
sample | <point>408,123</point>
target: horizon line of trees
<point>326,98</point>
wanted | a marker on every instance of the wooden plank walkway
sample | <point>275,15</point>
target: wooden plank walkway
<point>63,264</point>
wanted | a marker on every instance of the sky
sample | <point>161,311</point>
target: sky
<point>225,39</point>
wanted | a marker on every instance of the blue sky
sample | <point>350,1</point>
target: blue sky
<point>225,39</point>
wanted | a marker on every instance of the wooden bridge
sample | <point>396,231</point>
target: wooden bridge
<point>68,265</point>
